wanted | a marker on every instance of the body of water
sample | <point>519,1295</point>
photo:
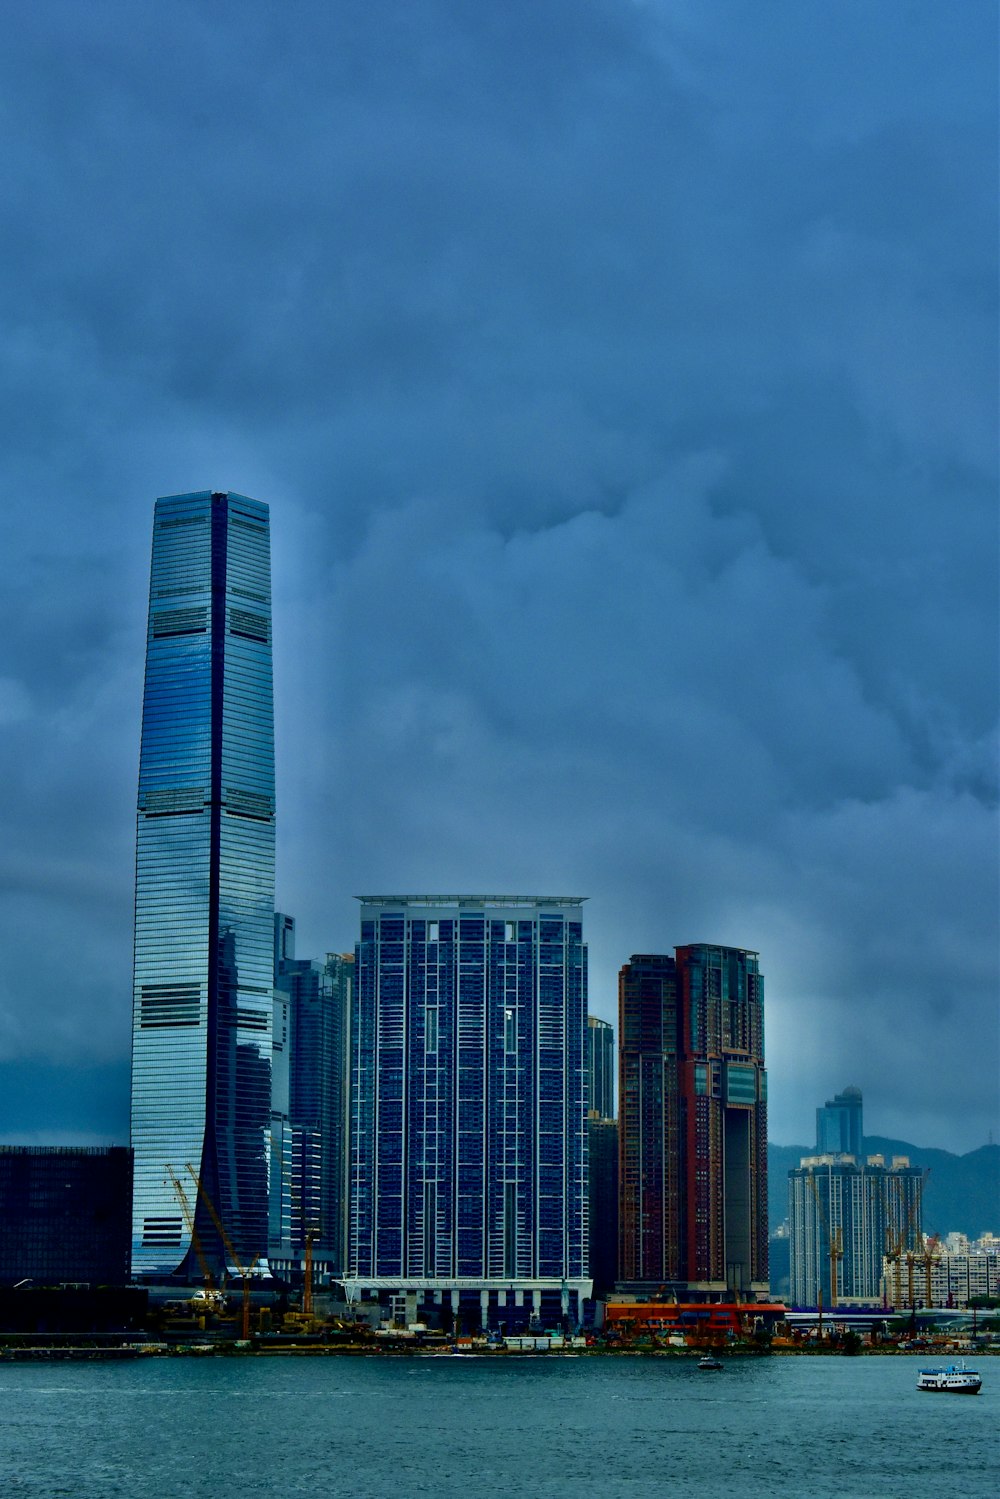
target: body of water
<point>376,1427</point>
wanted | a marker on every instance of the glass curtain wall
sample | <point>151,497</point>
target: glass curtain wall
<point>204,910</point>
<point>469,1146</point>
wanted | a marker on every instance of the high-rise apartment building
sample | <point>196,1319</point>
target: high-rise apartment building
<point>861,1210</point>
<point>310,1104</point>
<point>601,1066</point>
<point>839,1125</point>
<point>650,1139</point>
<point>469,1107</point>
<point>204,903</point>
<point>693,1121</point>
<point>602,1132</point>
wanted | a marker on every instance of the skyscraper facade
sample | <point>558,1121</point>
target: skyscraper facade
<point>204,902</point>
<point>693,1121</point>
<point>469,1104</point>
<point>601,1060</point>
<point>724,1087</point>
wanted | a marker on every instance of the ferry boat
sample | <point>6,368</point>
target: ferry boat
<point>709,1362</point>
<point>954,1379</point>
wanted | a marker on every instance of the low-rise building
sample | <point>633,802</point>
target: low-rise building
<point>65,1214</point>
<point>952,1279</point>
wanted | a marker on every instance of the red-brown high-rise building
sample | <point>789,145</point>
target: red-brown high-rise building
<point>650,1152</point>
<point>693,1121</point>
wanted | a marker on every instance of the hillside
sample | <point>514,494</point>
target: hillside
<point>962,1192</point>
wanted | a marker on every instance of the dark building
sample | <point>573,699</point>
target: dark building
<point>693,1122</point>
<point>65,1214</point>
<point>603,1176</point>
<point>650,1142</point>
<point>601,1066</point>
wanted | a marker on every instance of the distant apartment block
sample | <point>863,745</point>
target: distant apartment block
<point>469,1102</point>
<point>955,1280</point>
<point>65,1215</point>
<point>845,1216</point>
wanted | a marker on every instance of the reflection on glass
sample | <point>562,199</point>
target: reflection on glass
<point>204,897</point>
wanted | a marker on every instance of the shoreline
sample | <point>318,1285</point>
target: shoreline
<point>82,1353</point>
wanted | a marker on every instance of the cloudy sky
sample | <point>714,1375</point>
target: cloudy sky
<point>622,376</point>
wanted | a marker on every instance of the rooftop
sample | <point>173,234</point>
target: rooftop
<point>472,900</point>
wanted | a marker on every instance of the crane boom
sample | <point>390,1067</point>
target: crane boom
<point>309,1231</point>
<point>930,1255</point>
<point>834,1239</point>
<point>206,1272</point>
<point>244,1270</point>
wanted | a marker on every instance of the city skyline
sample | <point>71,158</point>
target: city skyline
<point>622,379</point>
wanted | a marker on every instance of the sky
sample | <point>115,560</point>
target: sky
<point>622,378</point>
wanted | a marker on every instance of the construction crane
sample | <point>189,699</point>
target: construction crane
<point>930,1255</point>
<point>835,1241</point>
<point>911,1235</point>
<point>893,1236</point>
<point>893,1255</point>
<point>901,1235</point>
<point>245,1271</point>
<point>212,1297</point>
<point>310,1231</point>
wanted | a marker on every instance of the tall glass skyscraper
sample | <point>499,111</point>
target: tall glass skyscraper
<point>469,1106</point>
<point>839,1124</point>
<point>204,901</point>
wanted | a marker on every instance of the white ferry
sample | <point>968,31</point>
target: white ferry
<point>954,1379</point>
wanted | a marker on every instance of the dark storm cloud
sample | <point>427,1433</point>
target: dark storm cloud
<point>622,378</point>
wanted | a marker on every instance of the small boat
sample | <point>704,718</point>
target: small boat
<point>953,1379</point>
<point>709,1362</point>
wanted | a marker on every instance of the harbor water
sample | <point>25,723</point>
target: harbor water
<point>541,1425</point>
